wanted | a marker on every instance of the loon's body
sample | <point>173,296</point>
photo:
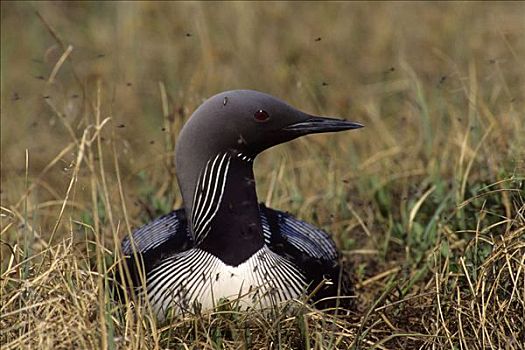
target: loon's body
<point>223,243</point>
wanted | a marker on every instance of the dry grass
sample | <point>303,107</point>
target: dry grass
<point>427,202</point>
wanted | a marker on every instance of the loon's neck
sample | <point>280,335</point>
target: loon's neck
<point>225,212</point>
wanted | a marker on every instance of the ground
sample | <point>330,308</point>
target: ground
<point>426,202</point>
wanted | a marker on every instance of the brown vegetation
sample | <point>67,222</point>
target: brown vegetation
<point>426,202</point>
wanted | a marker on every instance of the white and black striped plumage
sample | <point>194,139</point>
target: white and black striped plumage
<point>223,244</point>
<point>177,273</point>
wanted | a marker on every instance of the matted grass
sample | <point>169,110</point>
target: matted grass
<point>426,202</point>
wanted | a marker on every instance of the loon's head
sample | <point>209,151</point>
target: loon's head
<point>249,122</point>
<point>241,121</point>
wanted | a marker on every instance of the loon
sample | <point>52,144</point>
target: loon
<point>223,243</point>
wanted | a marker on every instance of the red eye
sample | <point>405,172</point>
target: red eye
<point>261,116</point>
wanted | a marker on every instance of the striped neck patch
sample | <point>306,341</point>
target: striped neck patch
<point>208,194</point>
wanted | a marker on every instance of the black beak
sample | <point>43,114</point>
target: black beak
<point>315,125</point>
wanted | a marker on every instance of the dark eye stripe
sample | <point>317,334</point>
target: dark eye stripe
<point>261,116</point>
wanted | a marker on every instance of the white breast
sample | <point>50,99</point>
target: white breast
<point>196,276</point>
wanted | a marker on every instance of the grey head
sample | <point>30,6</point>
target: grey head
<point>243,122</point>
